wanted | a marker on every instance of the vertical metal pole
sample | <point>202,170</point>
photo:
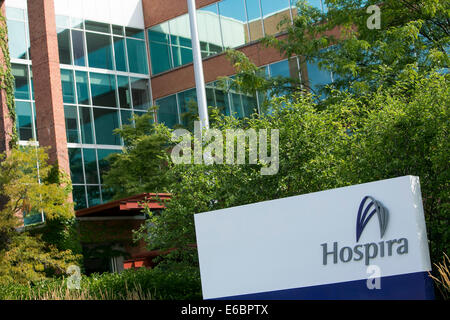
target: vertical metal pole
<point>198,67</point>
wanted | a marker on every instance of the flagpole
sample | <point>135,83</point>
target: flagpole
<point>198,67</point>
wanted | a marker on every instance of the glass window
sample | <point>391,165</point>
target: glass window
<point>24,120</point>
<point>234,23</point>
<point>250,105</point>
<point>76,165</point>
<point>106,121</point>
<point>18,46</point>
<point>181,55</point>
<point>103,163</point>
<point>70,114</point>
<point>62,21</point>
<point>119,52</point>
<point>140,93</point>
<point>82,87</point>
<point>168,111</point>
<point>134,33</point>
<point>90,166</point>
<point>20,74</point>
<point>117,30</point>
<point>280,69</point>
<point>254,19</point>
<point>127,117</point>
<point>137,56</point>
<point>236,108</point>
<point>180,35</point>
<point>160,55</point>
<point>15,13</point>
<point>87,136</point>
<point>210,99</point>
<point>78,48</point>
<point>103,89</point>
<point>76,23</point>
<point>93,193</point>
<point>124,92</point>
<point>97,26</point>
<point>99,51</point>
<point>274,11</point>
<point>317,77</point>
<point>64,46</point>
<point>209,30</point>
<point>79,197</point>
<point>67,86</point>
<point>223,102</point>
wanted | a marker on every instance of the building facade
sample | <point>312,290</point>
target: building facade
<point>83,68</point>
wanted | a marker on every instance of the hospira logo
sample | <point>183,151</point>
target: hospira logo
<point>365,252</point>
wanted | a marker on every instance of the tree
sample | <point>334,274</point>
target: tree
<point>28,187</point>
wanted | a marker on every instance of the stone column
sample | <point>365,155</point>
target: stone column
<point>47,82</point>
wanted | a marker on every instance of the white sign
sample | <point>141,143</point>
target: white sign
<point>359,242</point>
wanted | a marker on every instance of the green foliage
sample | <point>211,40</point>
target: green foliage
<point>177,282</point>
<point>26,188</point>
<point>142,167</point>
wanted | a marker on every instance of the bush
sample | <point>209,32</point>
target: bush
<point>181,283</point>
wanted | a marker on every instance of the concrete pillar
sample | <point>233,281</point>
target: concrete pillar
<point>47,81</point>
<point>6,123</point>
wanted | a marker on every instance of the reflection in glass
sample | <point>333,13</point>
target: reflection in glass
<point>103,162</point>
<point>67,86</point>
<point>254,19</point>
<point>140,93</point>
<point>99,51</point>
<point>117,30</point>
<point>160,55</point>
<point>274,11</point>
<point>82,87</point>
<point>70,115</point>
<point>76,165</point>
<point>64,46</point>
<point>134,33</point>
<point>103,88</point>
<point>223,102</point>
<point>17,39</point>
<point>209,30</point>
<point>137,56</point>
<point>106,121</point>
<point>93,193</point>
<point>167,111</point>
<point>20,74</point>
<point>233,23</point>
<point>24,120</point>
<point>188,105</point>
<point>124,92</point>
<point>78,48</point>
<point>180,37</point>
<point>15,13</point>
<point>87,136</point>
<point>79,197</point>
<point>97,26</point>
<point>90,166</point>
<point>119,52</point>
<point>127,117</point>
<point>317,77</point>
<point>236,108</point>
<point>250,105</point>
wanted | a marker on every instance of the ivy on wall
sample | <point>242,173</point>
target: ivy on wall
<point>7,80</point>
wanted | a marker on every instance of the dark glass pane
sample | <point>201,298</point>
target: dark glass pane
<point>237,105</point>
<point>107,194</point>
<point>70,114</point>
<point>280,69</point>
<point>20,74</point>
<point>64,46</point>
<point>188,105</point>
<point>117,30</point>
<point>90,166</point>
<point>223,102</point>
<point>124,92</point>
<point>79,197</point>
<point>78,48</point>
<point>103,163</point>
<point>250,105</point>
<point>135,33</point>
<point>161,59</point>
<point>106,121</point>
<point>103,88</point>
<point>67,86</point>
<point>24,120</point>
<point>211,102</point>
<point>127,117</point>
<point>137,56</point>
<point>317,77</point>
<point>140,93</point>
<point>76,165</point>
<point>99,51</point>
<point>82,87</point>
<point>87,136</point>
<point>93,193</point>
<point>181,56</point>
<point>168,111</point>
<point>97,26</point>
<point>119,51</point>
<point>17,39</point>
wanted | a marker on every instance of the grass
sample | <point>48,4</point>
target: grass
<point>443,280</point>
